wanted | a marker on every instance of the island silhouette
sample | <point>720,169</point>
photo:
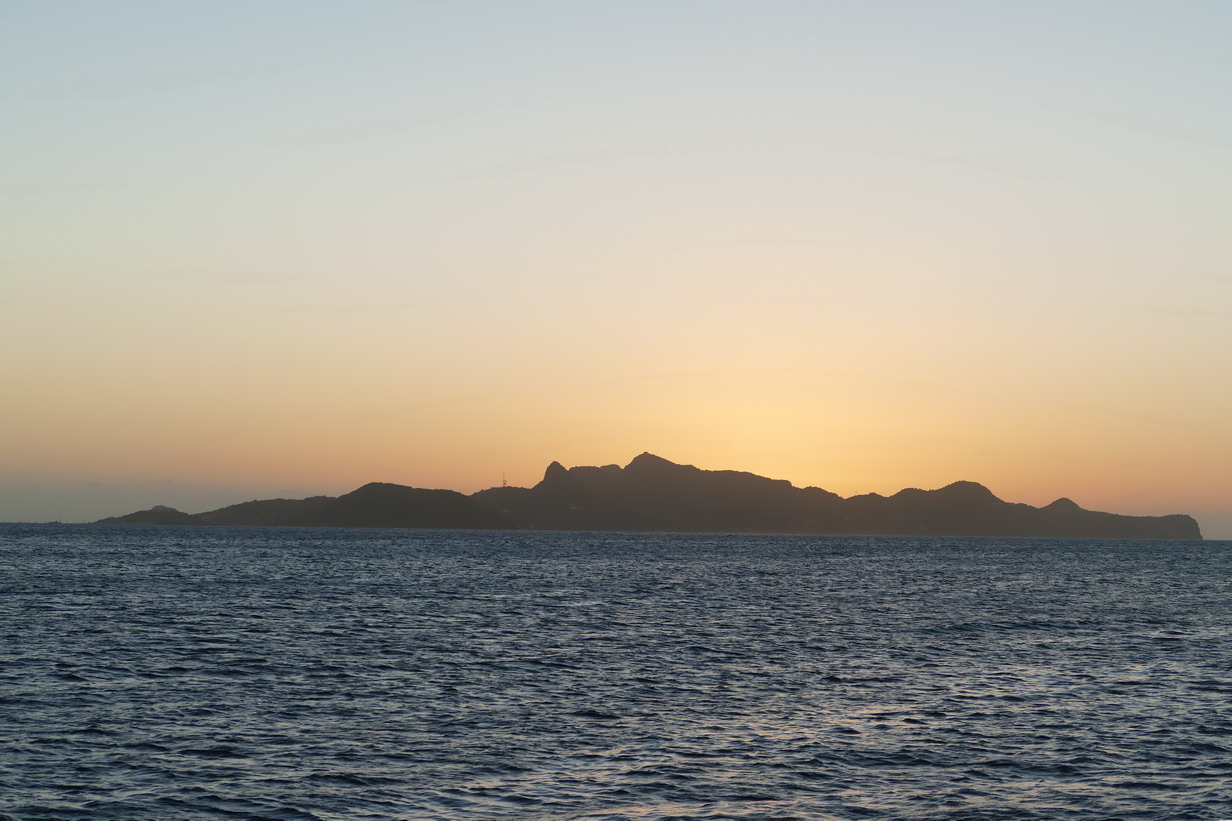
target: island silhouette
<point>652,494</point>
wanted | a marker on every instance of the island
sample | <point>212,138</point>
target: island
<point>652,494</point>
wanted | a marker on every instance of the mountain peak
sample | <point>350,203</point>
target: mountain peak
<point>648,461</point>
<point>555,472</point>
<point>374,486</point>
<point>969,490</point>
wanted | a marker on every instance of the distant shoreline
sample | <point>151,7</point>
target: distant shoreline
<point>654,495</point>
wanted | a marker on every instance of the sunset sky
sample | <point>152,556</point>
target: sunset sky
<point>255,249</point>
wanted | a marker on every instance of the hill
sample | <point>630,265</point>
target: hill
<point>652,494</point>
<point>374,505</point>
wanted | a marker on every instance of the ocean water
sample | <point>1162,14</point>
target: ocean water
<point>180,673</point>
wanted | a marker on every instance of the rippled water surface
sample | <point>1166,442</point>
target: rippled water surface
<point>176,673</point>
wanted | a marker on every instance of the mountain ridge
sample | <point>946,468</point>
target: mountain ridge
<point>653,494</point>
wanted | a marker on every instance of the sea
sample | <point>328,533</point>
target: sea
<point>250,673</point>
